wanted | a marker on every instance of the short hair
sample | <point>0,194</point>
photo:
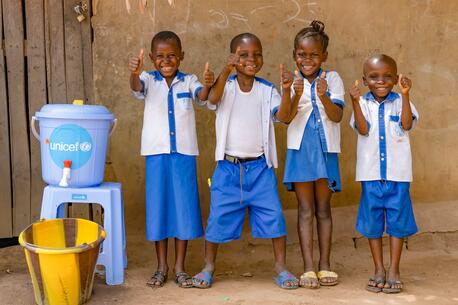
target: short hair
<point>315,30</point>
<point>237,39</point>
<point>164,36</point>
<point>381,57</point>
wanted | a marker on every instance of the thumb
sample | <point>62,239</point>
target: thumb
<point>399,80</point>
<point>323,74</point>
<point>207,67</point>
<point>140,55</point>
<point>356,83</point>
<point>237,50</point>
<point>298,76</point>
<point>282,69</point>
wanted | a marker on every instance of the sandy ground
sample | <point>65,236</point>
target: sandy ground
<point>429,270</point>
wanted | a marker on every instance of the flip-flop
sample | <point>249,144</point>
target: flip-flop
<point>158,276</point>
<point>202,280</point>
<point>328,274</point>
<point>375,288</point>
<point>390,289</point>
<point>285,277</point>
<point>181,279</point>
<point>310,276</point>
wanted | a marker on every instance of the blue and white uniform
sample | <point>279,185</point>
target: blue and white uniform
<point>313,139</point>
<point>249,183</point>
<point>169,144</point>
<point>384,167</point>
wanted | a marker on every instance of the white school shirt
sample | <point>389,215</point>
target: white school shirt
<point>169,123</point>
<point>270,101</point>
<point>329,130</point>
<point>384,153</point>
<point>246,118</point>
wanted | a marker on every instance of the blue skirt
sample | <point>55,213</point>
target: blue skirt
<point>310,163</point>
<point>172,198</point>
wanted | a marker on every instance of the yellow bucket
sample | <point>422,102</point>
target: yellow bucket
<point>61,255</point>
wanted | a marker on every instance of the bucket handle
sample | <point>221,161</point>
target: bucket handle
<point>113,127</point>
<point>34,131</point>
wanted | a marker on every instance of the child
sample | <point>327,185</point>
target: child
<point>245,108</point>
<point>169,144</point>
<point>312,168</point>
<point>382,119</point>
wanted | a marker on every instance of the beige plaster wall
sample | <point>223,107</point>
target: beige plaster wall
<point>420,35</point>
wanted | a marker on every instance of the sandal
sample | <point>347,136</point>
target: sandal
<point>202,280</point>
<point>390,288</point>
<point>158,277</point>
<point>327,274</point>
<point>183,280</point>
<point>310,277</point>
<point>375,288</point>
<point>284,278</point>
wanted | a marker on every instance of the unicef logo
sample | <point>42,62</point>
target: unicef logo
<point>70,142</point>
<point>86,146</point>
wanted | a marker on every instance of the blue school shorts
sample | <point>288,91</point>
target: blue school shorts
<point>237,187</point>
<point>385,202</point>
<point>172,198</point>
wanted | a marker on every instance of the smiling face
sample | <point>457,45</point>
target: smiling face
<point>309,56</point>
<point>250,53</point>
<point>380,76</point>
<point>166,56</point>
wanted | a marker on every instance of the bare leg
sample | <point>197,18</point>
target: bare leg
<point>324,225</point>
<point>279,245</point>
<point>162,267</point>
<point>211,249</point>
<point>395,258</point>
<point>377,256</point>
<point>180,255</point>
<point>305,213</point>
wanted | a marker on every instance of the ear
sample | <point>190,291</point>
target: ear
<point>325,56</point>
<point>364,81</point>
<point>294,54</point>
<point>181,56</point>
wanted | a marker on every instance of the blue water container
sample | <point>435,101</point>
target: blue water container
<point>75,137</point>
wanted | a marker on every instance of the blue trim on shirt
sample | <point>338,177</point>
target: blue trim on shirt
<point>382,140</point>
<point>394,118</point>
<point>172,131</point>
<point>338,102</point>
<point>184,95</point>
<point>158,76</point>
<point>258,79</point>
<point>197,91</point>
<point>317,116</point>
<point>391,97</point>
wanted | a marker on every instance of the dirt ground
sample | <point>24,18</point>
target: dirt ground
<point>429,268</point>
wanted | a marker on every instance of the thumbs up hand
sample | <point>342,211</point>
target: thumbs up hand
<point>355,93</point>
<point>322,85</point>
<point>136,63</point>
<point>286,78</point>
<point>298,84</point>
<point>209,76</point>
<point>404,84</point>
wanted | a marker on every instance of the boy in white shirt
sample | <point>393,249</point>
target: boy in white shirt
<point>245,107</point>
<point>382,119</point>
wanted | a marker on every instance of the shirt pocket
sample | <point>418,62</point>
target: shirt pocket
<point>396,129</point>
<point>184,100</point>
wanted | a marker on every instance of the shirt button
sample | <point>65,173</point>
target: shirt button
<point>172,133</point>
<point>382,137</point>
<point>381,116</point>
<point>382,154</point>
<point>319,121</point>
<point>170,111</point>
<point>383,159</point>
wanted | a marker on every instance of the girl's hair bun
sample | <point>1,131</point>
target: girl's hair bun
<point>317,25</point>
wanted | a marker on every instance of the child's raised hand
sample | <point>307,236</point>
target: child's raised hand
<point>404,84</point>
<point>136,63</point>
<point>298,84</point>
<point>286,78</point>
<point>355,93</point>
<point>209,76</point>
<point>233,59</point>
<point>322,85</point>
